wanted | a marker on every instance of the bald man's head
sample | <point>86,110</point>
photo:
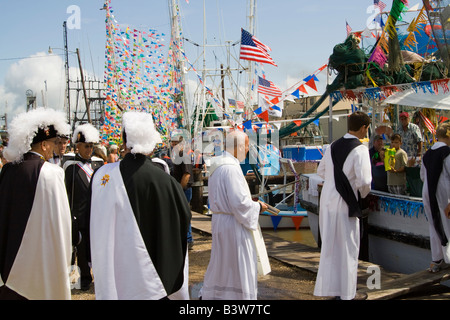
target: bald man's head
<point>237,143</point>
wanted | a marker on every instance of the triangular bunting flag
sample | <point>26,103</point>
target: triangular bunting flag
<point>322,67</point>
<point>274,107</point>
<point>298,122</point>
<point>275,221</point>
<point>258,111</point>
<point>297,221</point>
<point>311,83</point>
<point>275,100</point>
<point>296,94</point>
<point>264,115</point>
<point>247,124</point>
<point>308,78</point>
<point>302,89</point>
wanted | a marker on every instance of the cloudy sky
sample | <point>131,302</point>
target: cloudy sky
<point>301,34</point>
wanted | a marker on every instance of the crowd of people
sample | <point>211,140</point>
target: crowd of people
<point>125,221</point>
<point>62,209</point>
<point>389,165</point>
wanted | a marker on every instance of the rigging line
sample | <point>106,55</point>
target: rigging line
<point>220,23</point>
<point>35,57</point>
<point>92,61</point>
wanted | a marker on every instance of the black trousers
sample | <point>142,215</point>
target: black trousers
<point>82,254</point>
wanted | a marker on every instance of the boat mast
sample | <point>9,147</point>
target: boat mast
<point>250,69</point>
<point>66,67</point>
<point>202,107</point>
<point>201,102</point>
<point>177,39</point>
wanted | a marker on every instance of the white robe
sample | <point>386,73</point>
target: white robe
<point>121,264</point>
<point>438,252</point>
<point>338,267</point>
<point>232,270</point>
<point>41,268</point>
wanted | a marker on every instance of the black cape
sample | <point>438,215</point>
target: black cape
<point>340,149</point>
<point>34,229</point>
<point>433,161</point>
<point>162,214</point>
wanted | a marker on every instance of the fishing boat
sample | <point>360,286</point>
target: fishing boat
<point>396,229</point>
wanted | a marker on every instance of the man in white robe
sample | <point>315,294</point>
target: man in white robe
<point>35,223</point>
<point>340,234</point>
<point>437,161</point>
<point>232,270</point>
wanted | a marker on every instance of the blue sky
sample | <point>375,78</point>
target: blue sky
<point>301,33</point>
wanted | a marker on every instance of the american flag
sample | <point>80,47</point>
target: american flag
<point>427,123</point>
<point>379,4</point>
<point>349,29</point>
<point>253,49</point>
<point>267,87</point>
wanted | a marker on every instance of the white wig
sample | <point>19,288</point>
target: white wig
<point>86,133</point>
<point>141,135</point>
<point>24,127</point>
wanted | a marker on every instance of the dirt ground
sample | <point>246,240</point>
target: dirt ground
<point>283,283</point>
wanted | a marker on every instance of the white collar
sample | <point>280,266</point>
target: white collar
<point>438,145</point>
<point>350,136</point>
<point>229,155</point>
<point>40,155</point>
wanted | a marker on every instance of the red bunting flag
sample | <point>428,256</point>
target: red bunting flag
<point>264,115</point>
<point>302,89</point>
<point>275,100</point>
<point>298,122</point>
<point>311,83</point>
<point>322,67</point>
